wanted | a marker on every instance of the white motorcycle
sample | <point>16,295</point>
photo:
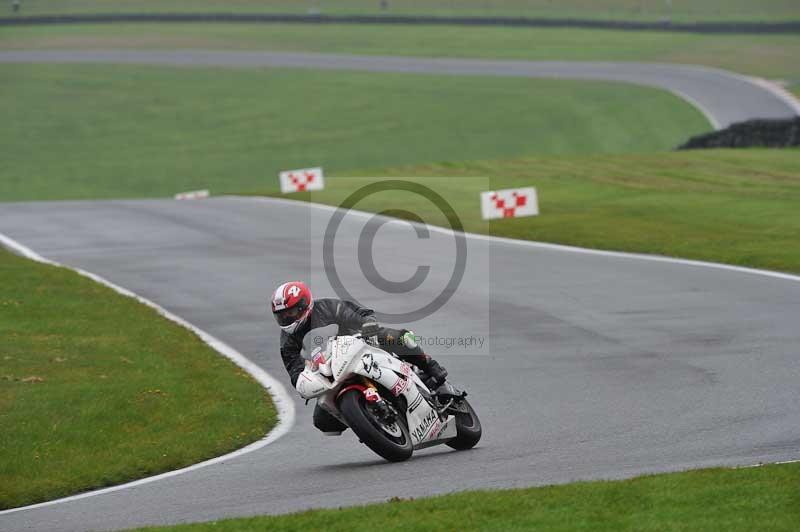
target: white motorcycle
<point>383,400</point>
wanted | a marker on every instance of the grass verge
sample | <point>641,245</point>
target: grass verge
<point>97,389</point>
<point>100,131</point>
<point>731,206</point>
<point>770,56</point>
<point>763,498</point>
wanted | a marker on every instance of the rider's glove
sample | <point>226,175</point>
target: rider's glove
<point>370,329</point>
<point>437,375</point>
<point>409,339</point>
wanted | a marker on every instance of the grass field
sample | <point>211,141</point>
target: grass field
<point>97,389</point>
<point>115,131</point>
<point>683,10</point>
<point>731,206</point>
<point>765,498</point>
<point>771,56</point>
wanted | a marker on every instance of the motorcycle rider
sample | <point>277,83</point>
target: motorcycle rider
<point>297,312</point>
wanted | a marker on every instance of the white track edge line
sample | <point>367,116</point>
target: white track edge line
<point>283,402</point>
<point>533,243</point>
<point>762,464</point>
<point>697,105</point>
<point>779,92</point>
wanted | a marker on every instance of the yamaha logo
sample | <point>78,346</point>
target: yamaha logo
<point>420,431</point>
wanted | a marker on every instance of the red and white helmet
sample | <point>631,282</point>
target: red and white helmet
<point>292,303</point>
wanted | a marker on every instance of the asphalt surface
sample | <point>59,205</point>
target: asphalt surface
<point>724,97</point>
<point>593,366</point>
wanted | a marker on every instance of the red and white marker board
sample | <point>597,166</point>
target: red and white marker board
<point>509,203</point>
<point>302,180</point>
<point>193,194</point>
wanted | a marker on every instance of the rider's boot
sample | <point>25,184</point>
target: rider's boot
<point>434,372</point>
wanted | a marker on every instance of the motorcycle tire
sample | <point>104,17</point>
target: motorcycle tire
<point>468,428</point>
<point>363,423</point>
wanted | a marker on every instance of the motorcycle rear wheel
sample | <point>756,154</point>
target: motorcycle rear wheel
<point>468,428</point>
<point>374,433</point>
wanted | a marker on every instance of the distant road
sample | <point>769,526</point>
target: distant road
<point>791,26</point>
<point>723,97</point>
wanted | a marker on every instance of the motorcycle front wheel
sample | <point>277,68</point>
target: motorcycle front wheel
<point>391,441</point>
<point>468,427</point>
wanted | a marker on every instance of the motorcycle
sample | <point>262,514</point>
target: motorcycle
<point>384,401</point>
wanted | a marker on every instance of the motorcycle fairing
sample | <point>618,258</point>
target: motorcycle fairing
<point>352,356</point>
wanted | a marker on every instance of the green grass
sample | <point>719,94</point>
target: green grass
<point>97,389</point>
<point>765,498</point>
<point>771,56</point>
<point>598,9</point>
<point>99,131</point>
<point>732,206</point>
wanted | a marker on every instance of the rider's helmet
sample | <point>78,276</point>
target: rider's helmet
<point>292,303</point>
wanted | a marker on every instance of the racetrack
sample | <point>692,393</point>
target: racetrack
<point>723,97</point>
<point>595,366</point>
